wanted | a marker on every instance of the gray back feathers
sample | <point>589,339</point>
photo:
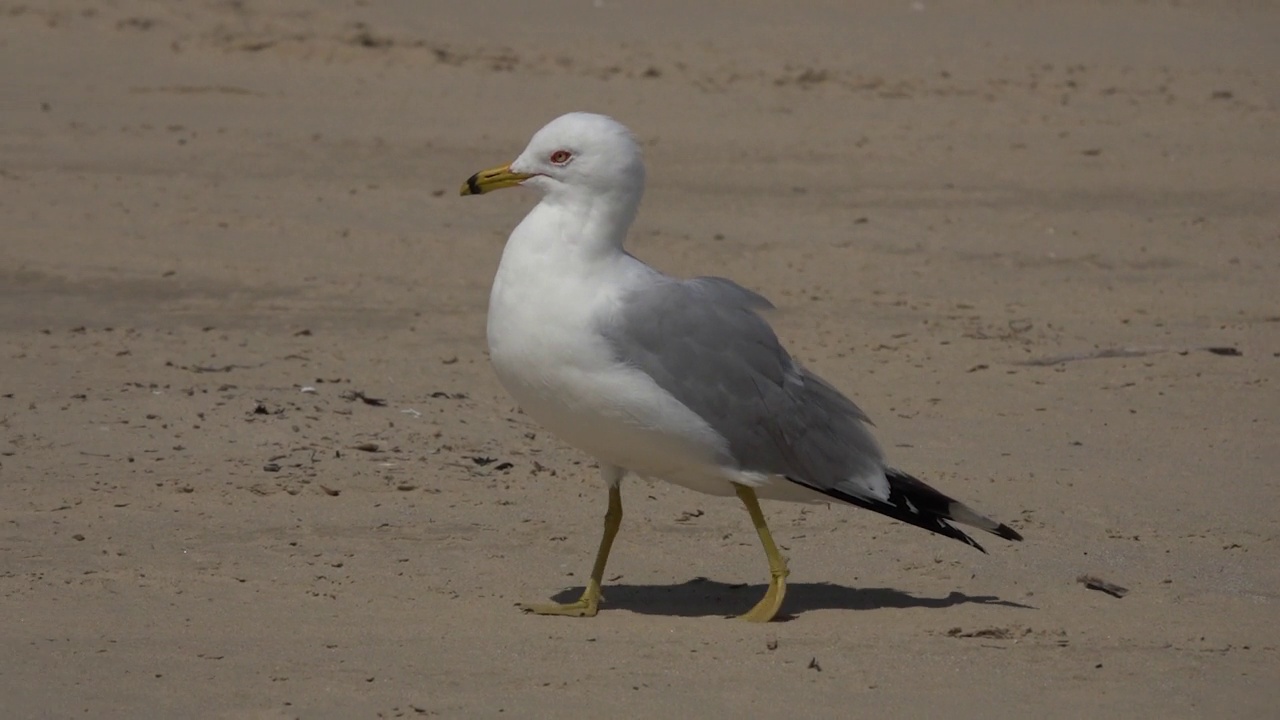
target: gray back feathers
<point>703,341</point>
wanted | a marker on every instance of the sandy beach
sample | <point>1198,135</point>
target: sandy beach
<point>254,462</point>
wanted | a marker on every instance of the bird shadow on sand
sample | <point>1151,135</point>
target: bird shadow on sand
<point>702,597</point>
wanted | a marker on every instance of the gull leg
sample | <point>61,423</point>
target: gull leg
<point>589,604</point>
<point>768,607</point>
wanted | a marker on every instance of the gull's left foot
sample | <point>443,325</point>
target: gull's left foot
<point>589,604</point>
<point>586,606</point>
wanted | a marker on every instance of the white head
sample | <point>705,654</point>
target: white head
<point>579,158</point>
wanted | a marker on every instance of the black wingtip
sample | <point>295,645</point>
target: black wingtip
<point>918,514</point>
<point>1007,533</point>
<point>964,538</point>
<point>916,503</point>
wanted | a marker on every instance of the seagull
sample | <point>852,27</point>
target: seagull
<point>677,379</point>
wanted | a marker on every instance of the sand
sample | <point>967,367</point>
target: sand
<point>254,464</point>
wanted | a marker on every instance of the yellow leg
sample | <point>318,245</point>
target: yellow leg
<point>768,607</point>
<point>589,604</point>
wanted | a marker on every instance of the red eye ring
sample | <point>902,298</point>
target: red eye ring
<point>560,157</point>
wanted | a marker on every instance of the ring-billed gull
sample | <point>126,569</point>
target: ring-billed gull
<point>680,380</point>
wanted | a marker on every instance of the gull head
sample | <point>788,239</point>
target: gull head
<point>578,156</point>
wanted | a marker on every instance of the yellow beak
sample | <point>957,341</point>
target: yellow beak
<point>495,179</point>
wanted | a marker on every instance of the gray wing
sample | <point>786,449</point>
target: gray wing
<point>702,341</point>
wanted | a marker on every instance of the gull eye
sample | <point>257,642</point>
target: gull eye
<point>560,157</point>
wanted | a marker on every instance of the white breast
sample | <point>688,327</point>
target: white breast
<point>544,311</point>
